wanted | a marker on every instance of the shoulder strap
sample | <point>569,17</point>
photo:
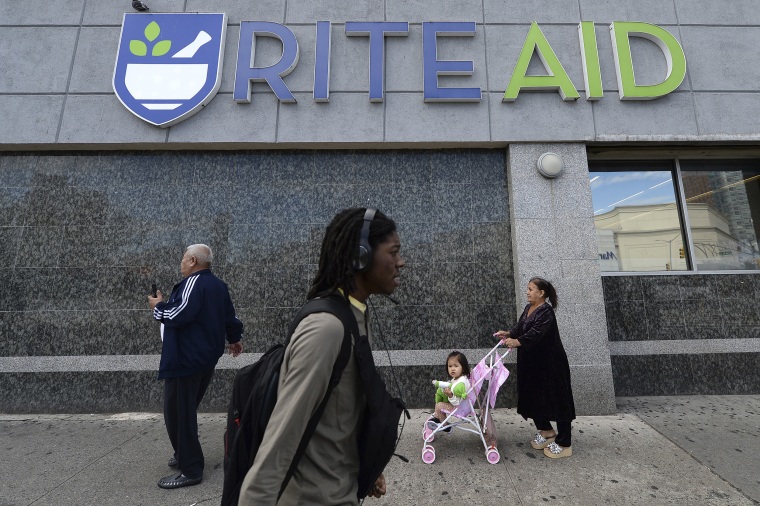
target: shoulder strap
<point>340,307</point>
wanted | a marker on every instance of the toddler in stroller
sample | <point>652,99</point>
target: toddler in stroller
<point>450,394</point>
<point>456,402</point>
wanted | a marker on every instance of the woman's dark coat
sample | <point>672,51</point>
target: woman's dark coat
<point>543,373</point>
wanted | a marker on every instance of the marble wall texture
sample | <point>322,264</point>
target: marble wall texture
<point>84,235</point>
<point>684,334</point>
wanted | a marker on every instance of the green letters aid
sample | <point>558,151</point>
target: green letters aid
<point>592,73</point>
<point>557,78</point>
<point>674,55</point>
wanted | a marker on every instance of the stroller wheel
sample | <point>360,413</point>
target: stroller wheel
<point>493,456</point>
<point>427,435</point>
<point>428,454</point>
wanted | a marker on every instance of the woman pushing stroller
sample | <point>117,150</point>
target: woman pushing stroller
<point>544,392</point>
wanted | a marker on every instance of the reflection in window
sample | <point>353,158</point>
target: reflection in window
<point>723,205</point>
<point>638,225</point>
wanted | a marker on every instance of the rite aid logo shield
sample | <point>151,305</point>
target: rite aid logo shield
<point>169,65</point>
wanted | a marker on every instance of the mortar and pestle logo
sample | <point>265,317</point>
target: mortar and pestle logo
<point>152,82</point>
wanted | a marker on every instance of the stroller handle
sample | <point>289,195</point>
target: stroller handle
<point>496,348</point>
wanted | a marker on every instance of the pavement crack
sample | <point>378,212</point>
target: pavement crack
<point>84,468</point>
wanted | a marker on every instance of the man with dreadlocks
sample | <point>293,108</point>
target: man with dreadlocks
<point>355,265</point>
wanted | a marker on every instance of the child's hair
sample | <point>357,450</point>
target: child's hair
<point>462,361</point>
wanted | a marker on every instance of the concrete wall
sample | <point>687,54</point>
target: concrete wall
<point>58,59</point>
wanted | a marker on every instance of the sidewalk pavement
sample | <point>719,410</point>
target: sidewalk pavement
<point>656,450</point>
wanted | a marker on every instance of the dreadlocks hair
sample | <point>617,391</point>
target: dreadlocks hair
<point>340,247</point>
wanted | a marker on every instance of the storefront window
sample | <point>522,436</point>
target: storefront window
<point>637,219</point>
<point>723,206</point>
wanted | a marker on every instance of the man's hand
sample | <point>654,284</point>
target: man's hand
<point>236,348</point>
<point>152,301</point>
<point>379,489</point>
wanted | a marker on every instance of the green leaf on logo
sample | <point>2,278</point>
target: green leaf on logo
<point>138,47</point>
<point>161,48</point>
<point>152,31</point>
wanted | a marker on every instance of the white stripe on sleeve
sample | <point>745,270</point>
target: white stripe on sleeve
<point>172,313</point>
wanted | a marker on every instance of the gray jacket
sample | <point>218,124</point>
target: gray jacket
<point>328,472</point>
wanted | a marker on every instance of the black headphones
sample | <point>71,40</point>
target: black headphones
<point>363,259</point>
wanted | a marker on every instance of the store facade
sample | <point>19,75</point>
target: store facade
<point>126,138</point>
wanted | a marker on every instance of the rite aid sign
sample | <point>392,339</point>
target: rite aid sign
<point>168,66</point>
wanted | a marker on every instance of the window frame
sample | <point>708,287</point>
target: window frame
<point>618,164</point>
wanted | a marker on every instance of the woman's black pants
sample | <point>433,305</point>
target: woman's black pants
<point>563,431</point>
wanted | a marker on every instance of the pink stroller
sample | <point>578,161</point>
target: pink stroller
<point>491,371</point>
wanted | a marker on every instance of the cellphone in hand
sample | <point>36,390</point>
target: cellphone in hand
<point>153,290</point>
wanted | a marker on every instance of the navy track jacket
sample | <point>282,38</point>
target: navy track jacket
<point>197,319</point>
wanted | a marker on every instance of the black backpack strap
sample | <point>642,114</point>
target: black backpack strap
<point>340,307</point>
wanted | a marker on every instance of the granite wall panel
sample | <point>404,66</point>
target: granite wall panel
<point>703,374</point>
<point>683,307</point>
<point>10,237</point>
<point>626,321</point>
<point>698,306</point>
<point>12,205</point>
<point>86,233</point>
<point>496,317</point>
<point>97,392</point>
<point>652,375</point>
<point>140,391</point>
<point>719,373</point>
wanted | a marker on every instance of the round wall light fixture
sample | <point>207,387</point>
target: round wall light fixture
<point>550,165</point>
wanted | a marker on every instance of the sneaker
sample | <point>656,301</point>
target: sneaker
<point>434,424</point>
<point>555,451</point>
<point>539,442</point>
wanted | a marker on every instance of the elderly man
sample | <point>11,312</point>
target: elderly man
<point>196,319</point>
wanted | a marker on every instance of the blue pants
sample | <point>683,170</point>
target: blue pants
<point>181,399</point>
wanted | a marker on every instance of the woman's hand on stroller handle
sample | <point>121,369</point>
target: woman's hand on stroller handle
<point>506,340</point>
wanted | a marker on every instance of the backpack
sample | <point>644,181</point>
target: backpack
<point>379,433</point>
<point>254,395</point>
